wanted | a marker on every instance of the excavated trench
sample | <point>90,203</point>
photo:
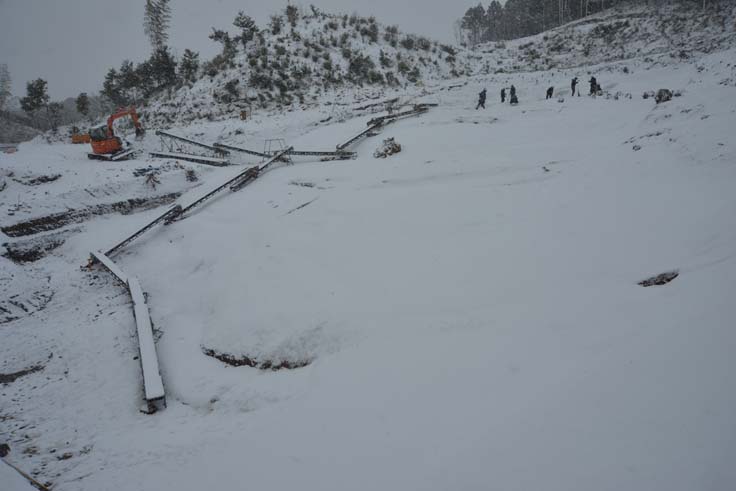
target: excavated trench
<point>246,361</point>
<point>58,220</point>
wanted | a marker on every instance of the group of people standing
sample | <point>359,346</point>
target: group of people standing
<point>512,97</point>
<point>595,89</point>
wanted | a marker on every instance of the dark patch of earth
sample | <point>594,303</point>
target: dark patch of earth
<point>59,220</point>
<point>8,378</point>
<point>660,279</point>
<point>28,251</point>
<point>37,181</point>
<point>246,361</point>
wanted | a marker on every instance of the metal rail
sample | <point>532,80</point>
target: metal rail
<point>199,159</point>
<point>360,135</point>
<point>301,153</point>
<point>241,150</point>
<point>176,210</point>
<point>195,143</point>
<point>419,109</point>
<point>249,174</point>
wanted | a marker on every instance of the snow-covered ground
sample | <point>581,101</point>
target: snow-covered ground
<point>12,480</point>
<point>469,307</point>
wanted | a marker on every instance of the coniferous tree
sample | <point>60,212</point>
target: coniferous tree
<point>37,97</point>
<point>276,24</point>
<point>5,84</point>
<point>53,112</point>
<point>156,20</point>
<point>473,22</point>
<point>248,28</point>
<point>130,81</point>
<point>82,103</point>
<point>519,18</point>
<point>292,15</point>
<point>157,73</point>
<point>227,57</point>
<point>189,66</point>
<point>111,88</point>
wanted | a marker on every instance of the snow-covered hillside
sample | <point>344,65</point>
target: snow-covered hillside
<point>661,34</point>
<point>326,57</point>
<point>465,314</point>
<point>297,64</point>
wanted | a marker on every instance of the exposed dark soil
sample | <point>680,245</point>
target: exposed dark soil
<point>661,279</point>
<point>18,306</point>
<point>58,220</point>
<point>9,378</point>
<point>302,206</point>
<point>36,181</point>
<point>245,361</point>
<point>302,184</point>
<point>28,251</point>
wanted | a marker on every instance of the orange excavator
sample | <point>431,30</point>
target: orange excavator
<point>107,146</point>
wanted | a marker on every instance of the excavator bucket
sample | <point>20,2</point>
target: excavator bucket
<point>139,133</point>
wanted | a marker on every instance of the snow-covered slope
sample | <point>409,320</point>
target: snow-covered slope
<point>308,62</point>
<point>666,33</point>
<point>468,310</point>
<point>12,481</point>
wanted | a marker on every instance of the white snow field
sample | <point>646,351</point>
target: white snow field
<point>468,309</point>
<point>12,480</point>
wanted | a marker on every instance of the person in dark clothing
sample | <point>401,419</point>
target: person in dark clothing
<point>593,86</point>
<point>550,92</point>
<point>513,99</point>
<point>574,85</point>
<point>481,100</point>
<point>503,95</point>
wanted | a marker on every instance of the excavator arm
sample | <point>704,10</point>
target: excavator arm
<point>121,113</point>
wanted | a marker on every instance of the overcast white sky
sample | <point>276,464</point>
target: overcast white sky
<point>72,43</point>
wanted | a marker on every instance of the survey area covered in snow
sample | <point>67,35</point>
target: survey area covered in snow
<point>530,296</point>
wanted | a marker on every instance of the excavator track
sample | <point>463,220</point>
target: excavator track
<point>116,157</point>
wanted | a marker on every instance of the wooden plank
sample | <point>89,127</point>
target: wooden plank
<point>191,158</point>
<point>110,266</point>
<point>153,385</point>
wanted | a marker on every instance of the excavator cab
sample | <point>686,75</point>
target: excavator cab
<point>104,144</point>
